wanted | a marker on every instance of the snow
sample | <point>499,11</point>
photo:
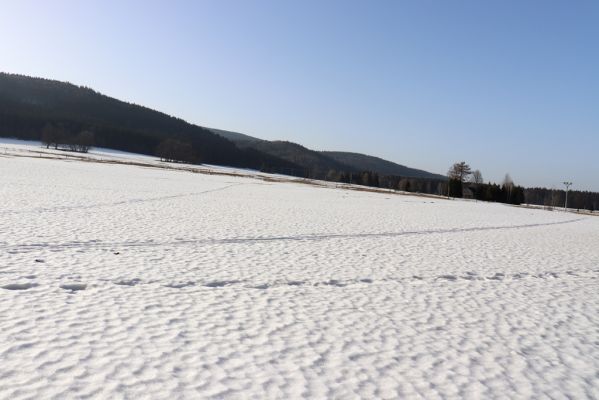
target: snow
<point>138,281</point>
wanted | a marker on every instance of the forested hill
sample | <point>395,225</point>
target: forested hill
<point>316,164</point>
<point>234,136</point>
<point>28,104</point>
<point>365,162</point>
<point>321,163</point>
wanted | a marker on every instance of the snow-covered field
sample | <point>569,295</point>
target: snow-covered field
<point>128,281</point>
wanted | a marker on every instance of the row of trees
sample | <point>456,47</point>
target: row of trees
<point>464,182</point>
<point>551,198</point>
<point>58,136</point>
<point>173,150</point>
<point>461,182</point>
<point>404,184</point>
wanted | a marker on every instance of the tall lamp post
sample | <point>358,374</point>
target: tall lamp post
<point>567,184</point>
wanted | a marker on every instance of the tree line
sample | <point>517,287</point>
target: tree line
<point>552,198</point>
<point>60,138</point>
<point>461,182</point>
<point>464,182</point>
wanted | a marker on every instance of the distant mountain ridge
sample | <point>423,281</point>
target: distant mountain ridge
<point>234,136</point>
<point>315,162</point>
<point>365,162</point>
<point>323,161</point>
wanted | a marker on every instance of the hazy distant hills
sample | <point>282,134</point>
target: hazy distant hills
<point>234,136</point>
<point>303,157</point>
<point>324,161</point>
<point>315,161</point>
<point>27,105</point>
<point>364,162</point>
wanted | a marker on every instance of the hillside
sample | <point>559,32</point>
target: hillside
<point>234,136</point>
<point>365,162</point>
<point>317,163</point>
<point>28,104</point>
<point>320,162</point>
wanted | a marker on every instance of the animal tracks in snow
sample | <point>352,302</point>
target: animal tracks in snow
<point>73,287</point>
<point>118,203</point>
<point>20,286</point>
<point>467,277</point>
<point>100,245</point>
<point>216,284</point>
<point>179,285</point>
<point>128,282</point>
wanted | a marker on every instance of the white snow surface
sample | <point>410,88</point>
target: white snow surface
<point>131,281</point>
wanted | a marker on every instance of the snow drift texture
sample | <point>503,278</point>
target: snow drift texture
<point>122,281</point>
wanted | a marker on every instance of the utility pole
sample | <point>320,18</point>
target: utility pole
<point>567,184</point>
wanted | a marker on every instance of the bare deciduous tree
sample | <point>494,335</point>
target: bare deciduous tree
<point>477,177</point>
<point>477,180</point>
<point>82,142</point>
<point>172,150</point>
<point>508,186</point>
<point>457,174</point>
<point>85,140</point>
<point>48,135</point>
<point>459,171</point>
<point>53,135</point>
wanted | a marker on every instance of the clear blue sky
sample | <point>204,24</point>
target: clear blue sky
<point>508,86</point>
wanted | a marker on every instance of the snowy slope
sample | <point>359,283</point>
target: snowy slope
<point>128,281</point>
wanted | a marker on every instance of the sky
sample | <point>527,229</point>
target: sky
<point>507,86</point>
